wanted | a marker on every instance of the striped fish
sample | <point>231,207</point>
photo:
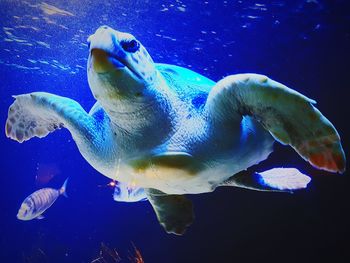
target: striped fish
<point>39,201</point>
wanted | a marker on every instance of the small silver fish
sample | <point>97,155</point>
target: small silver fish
<point>39,201</point>
<point>125,193</point>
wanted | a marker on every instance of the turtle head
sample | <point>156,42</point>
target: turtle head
<point>118,65</point>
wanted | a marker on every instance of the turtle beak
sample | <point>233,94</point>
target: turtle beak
<point>106,54</point>
<point>102,61</point>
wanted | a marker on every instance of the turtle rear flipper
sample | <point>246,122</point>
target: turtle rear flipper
<point>275,180</point>
<point>174,212</point>
<point>288,115</point>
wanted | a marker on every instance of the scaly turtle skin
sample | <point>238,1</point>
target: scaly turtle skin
<point>172,131</point>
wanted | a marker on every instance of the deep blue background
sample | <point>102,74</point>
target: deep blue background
<point>303,44</point>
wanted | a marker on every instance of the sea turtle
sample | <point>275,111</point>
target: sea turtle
<point>173,131</point>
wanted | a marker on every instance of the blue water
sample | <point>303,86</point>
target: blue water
<point>303,44</point>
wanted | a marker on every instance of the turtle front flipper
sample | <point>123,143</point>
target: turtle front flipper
<point>39,113</point>
<point>174,212</point>
<point>288,115</point>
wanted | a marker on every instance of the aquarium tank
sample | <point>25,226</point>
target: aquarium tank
<point>163,114</point>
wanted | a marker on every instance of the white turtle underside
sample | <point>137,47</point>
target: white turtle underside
<point>218,160</point>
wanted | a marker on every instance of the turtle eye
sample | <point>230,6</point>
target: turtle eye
<point>131,45</point>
